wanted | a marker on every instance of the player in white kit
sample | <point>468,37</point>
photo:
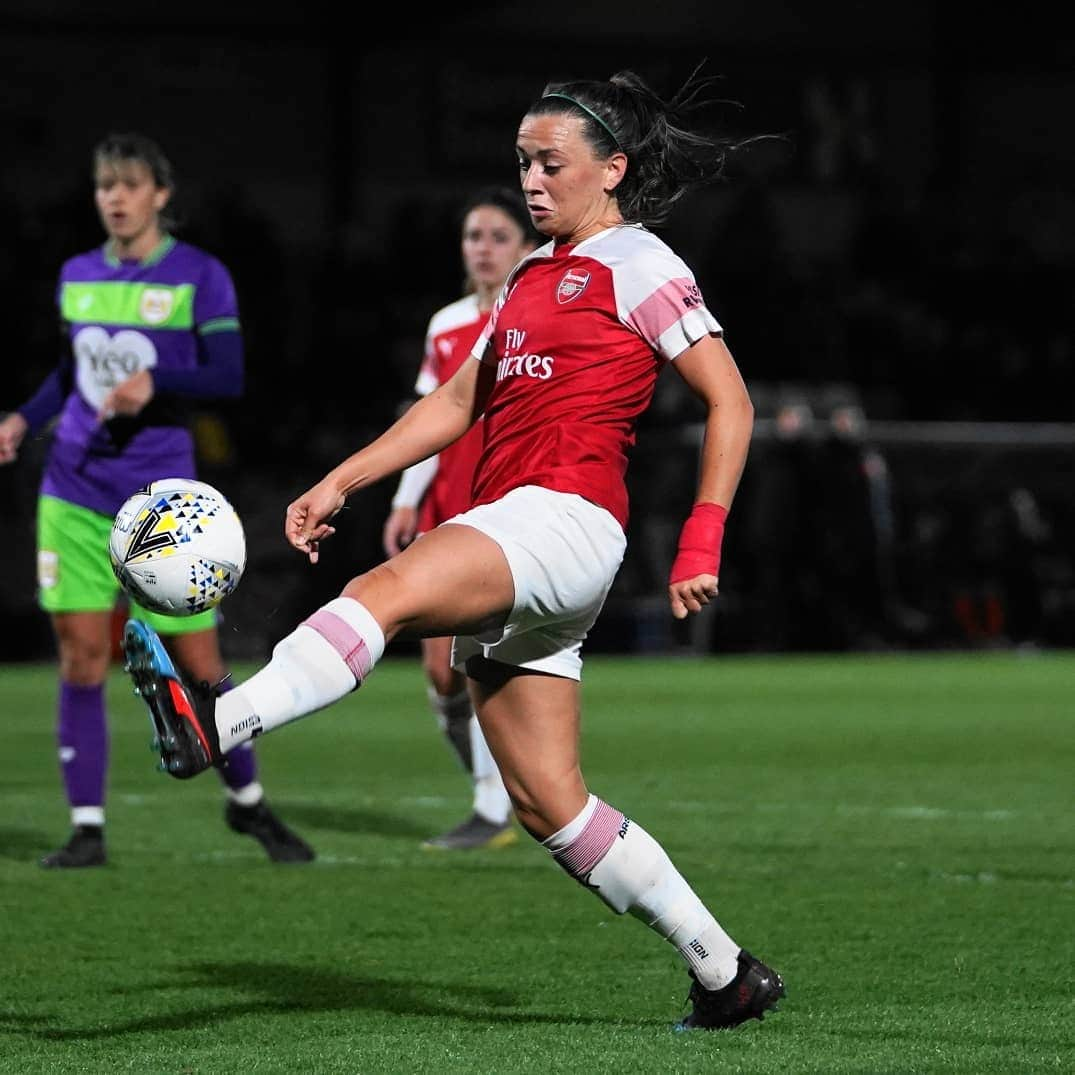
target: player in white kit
<point>565,365</point>
<point>496,233</point>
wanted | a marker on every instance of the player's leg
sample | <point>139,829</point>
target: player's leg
<point>531,721</point>
<point>77,588</point>
<point>194,644</point>
<point>526,690</point>
<point>83,641</point>
<point>490,822</point>
<point>453,578</point>
<point>448,697</point>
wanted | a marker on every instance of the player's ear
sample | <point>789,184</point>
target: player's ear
<point>615,170</point>
<point>162,197</point>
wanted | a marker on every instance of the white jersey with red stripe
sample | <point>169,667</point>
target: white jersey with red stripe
<point>449,338</point>
<point>578,336</point>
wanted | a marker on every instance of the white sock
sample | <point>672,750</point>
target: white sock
<point>618,860</point>
<point>324,658</point>
<point>490,796</point>
<point>250,795</point>
<point>88,815</point>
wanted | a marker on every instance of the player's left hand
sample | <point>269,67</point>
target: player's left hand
<point>128,397</point>
<point>690,596</point>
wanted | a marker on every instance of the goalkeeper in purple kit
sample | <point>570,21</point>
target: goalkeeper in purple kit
<point>151,323</point>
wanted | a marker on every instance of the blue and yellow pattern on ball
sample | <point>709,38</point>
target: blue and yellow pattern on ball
<point>178,546</point>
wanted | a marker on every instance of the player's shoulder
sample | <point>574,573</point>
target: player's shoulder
<point>197,258</point>
<point>456,314</point>
<point>632,247</point>
<point>85,265</point>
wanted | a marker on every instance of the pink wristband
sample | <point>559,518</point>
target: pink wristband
<point>699,543</point>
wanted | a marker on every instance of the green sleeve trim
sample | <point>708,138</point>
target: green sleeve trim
<point>218,324</point>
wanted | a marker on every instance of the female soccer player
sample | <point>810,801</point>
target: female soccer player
<point>496,233</point>
<point>151,323</point>
<point>560,374</point>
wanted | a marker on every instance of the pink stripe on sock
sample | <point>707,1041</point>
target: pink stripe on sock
<point>592,844</point>
<point>344,639</point>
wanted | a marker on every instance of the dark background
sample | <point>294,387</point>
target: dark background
<point>905,247</point>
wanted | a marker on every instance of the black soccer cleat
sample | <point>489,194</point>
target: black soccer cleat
<point>281,844</point>
<point>753,991</point>
<point>86,847</point>
<point>181,713</point>
<point>474,833</point>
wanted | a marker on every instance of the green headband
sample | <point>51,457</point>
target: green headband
<point>590,112</point>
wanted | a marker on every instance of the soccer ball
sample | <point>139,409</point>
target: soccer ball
<point>177,547</point>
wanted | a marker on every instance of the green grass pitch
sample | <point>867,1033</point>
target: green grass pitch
<point>894,833</point>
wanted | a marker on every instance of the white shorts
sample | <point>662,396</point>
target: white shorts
<point>564,552</point>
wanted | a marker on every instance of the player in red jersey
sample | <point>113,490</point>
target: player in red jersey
<point>565,365</point>
<point>496,233</point>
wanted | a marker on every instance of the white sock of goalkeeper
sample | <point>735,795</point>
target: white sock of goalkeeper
<point>624,866</point>
<point>327,656</point>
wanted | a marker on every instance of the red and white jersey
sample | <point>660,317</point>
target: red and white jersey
<point>450,336</point>
<point>578,336</point>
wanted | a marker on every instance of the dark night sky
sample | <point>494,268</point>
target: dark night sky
<point>912,236</point>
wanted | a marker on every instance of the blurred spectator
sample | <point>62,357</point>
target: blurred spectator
<point>775,520</point>
<point>855,530</point>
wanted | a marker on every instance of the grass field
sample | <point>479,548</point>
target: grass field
<point>895,834</point>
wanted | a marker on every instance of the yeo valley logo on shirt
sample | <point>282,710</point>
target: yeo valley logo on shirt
<point>102,361</point>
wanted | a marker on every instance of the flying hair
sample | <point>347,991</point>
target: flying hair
<point>668,150</point>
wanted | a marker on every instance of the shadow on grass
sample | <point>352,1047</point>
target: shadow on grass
<point>26,845</point>
<point>348,819</point>
<point>270,989</point>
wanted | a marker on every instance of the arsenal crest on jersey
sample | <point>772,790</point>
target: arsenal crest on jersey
<point>572,284</point>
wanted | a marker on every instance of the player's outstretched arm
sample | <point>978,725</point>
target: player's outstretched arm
<point>434,422</point>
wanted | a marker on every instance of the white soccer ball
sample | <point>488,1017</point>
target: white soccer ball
<point>178,547</point>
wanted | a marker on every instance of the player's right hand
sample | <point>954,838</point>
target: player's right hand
<point>306,521</point>
<point>12,430</point>
<point>399,529</point>
<point>128,398</point>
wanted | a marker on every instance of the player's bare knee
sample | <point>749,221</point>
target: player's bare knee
<point>388,595</point>
<point>84,666</point>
